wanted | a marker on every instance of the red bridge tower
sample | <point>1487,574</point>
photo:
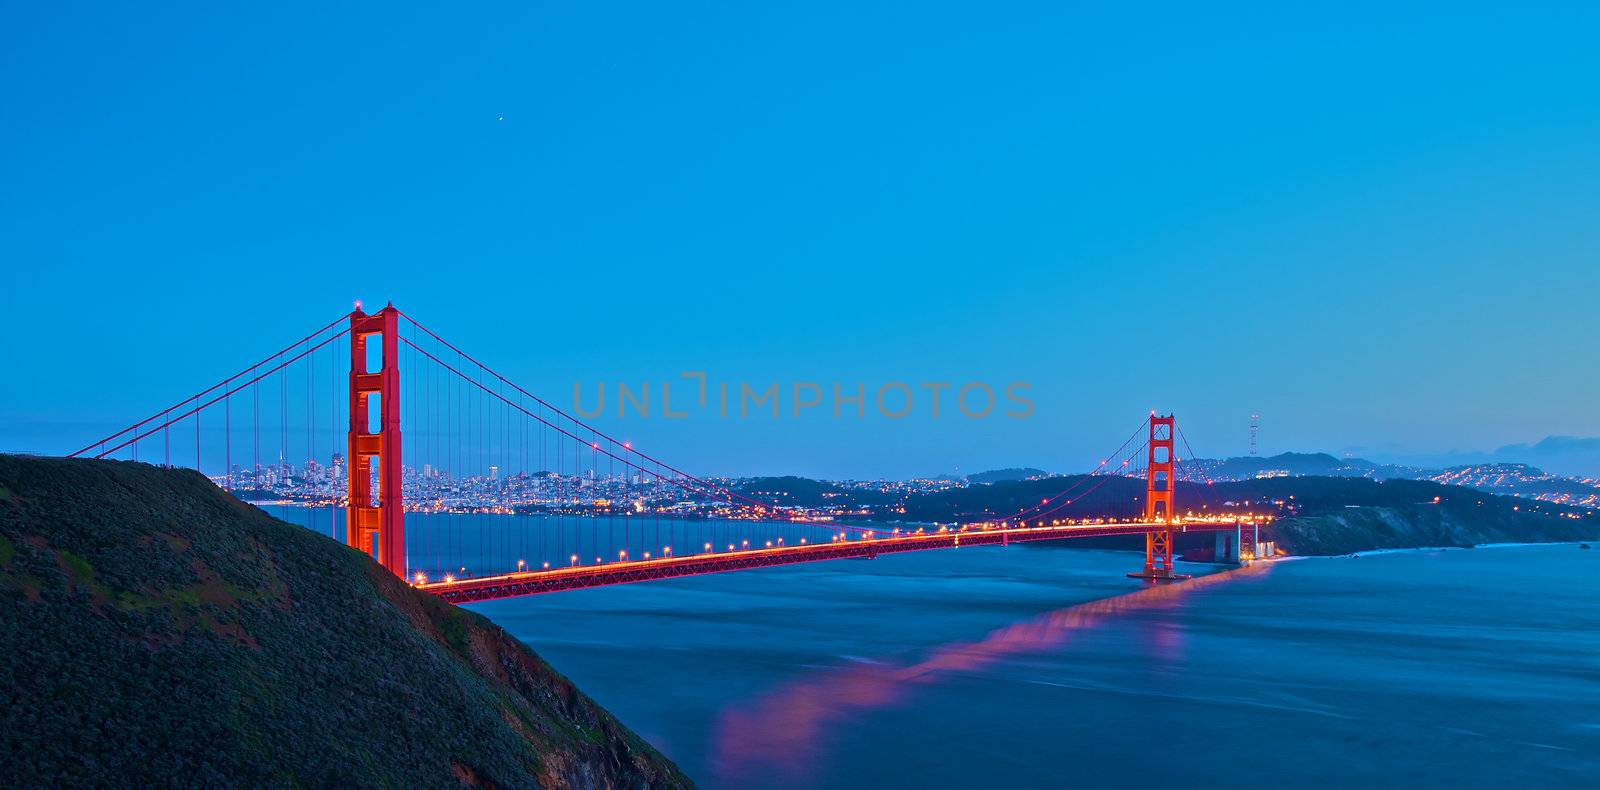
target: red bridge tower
<point>1160,486</point>
<point>376,525</point>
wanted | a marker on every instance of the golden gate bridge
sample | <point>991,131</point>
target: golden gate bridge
<point>468,427</point>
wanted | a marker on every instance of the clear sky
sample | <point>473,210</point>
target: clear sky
<point>1376,226</point>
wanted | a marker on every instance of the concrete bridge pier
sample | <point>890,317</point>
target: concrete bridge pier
<point>1227,548</point>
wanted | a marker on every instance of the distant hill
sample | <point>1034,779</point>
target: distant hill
<point>1524,481</point>
<point>1574,456</point>
<point>1516,479</point>
<point>159,631</point>
<point>804,492</point>
<point>1292,464</point>
<point>1567,455</point>
<point>1323,515</point>
<point>1004,475</point>
<point>1316,514</point>
<point>1105,495</point>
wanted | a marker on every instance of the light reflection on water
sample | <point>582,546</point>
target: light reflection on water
<point>780,730</point>
<point>1045,667</point>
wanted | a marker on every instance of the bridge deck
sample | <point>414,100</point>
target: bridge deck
<point>543,581</point>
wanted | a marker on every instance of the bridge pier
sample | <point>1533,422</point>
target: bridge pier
<point>1228,547</point>
<point>1158,557</point>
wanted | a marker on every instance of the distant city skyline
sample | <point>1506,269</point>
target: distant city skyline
<point>1369,233</point>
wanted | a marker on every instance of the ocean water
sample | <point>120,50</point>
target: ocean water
<point>1047,667</point>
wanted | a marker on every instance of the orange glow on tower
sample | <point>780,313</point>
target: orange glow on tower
<point>1159,481</point>
<point>1160,486</point>
<point>376,525</point>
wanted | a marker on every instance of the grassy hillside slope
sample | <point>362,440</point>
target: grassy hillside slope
<point>155,631</point>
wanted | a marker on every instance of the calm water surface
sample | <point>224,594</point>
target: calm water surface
<point>1044,667</point>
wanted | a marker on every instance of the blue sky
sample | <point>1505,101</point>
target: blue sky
<point>1373,225</point>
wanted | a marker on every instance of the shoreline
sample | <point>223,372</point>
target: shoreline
<point>1414,549</point>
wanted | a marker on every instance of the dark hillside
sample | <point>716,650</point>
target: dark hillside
<point>1005,475</point>
<point>1109,496</point>
<point>1315,515</point>
<point>156,631</point>
<point>1338,515</point>
<point>791,491</point>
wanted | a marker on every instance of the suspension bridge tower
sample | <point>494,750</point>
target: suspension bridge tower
<point>1160,487</point>
<point>375,523</point>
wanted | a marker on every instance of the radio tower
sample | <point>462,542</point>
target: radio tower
<point>1255,424</point>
